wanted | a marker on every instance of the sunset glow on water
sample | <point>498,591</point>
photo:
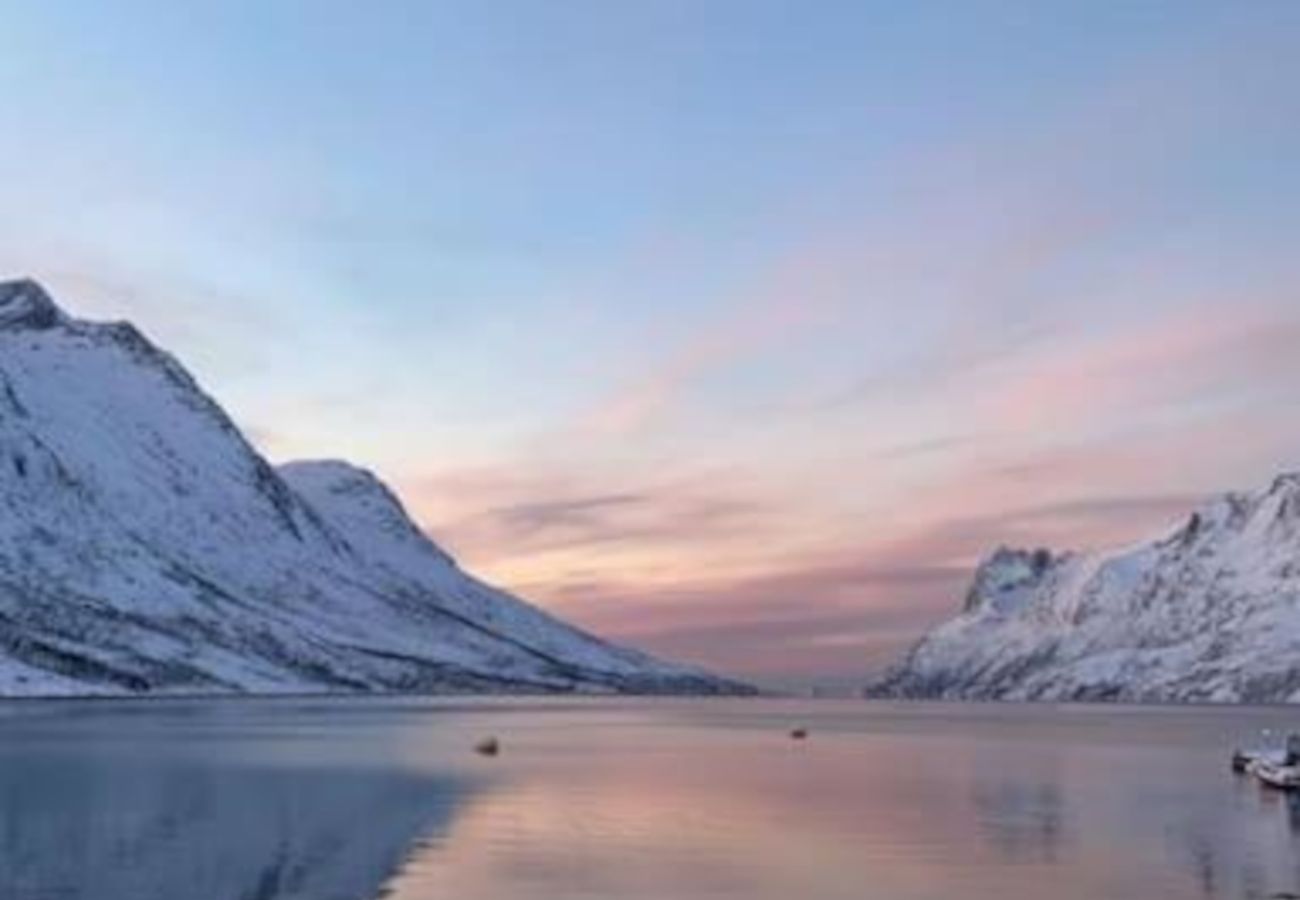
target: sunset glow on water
<point>639,800</point>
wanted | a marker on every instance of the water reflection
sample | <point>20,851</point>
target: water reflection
<point>875,806</point>
<point>100,816</point>
<point>1023,821</point>
<point>639,801</point>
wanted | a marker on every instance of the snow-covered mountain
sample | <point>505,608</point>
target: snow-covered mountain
<point>1210,612</point>
<point>145,545</point>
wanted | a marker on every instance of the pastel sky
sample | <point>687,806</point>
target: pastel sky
<point>737,329</point>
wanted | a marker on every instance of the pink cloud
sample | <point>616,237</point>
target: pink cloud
<point>1201,354</point>
<point>731,572</point>
<point>790,301</point>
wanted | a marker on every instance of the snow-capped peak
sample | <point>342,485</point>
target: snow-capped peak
<point>146,545</point>
<point>25,304</point>
<point>1008,578</point>
<point>1210,611</point>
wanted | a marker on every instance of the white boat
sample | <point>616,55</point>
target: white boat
<point>1242,760</point>
<point>1284,777</point>
<point>1287,756</point>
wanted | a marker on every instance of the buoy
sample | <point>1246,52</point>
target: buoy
<point>799,734</point>
<point>488,747</point>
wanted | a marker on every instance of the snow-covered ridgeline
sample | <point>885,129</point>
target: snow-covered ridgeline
<point>146,545</point>
<point>1210,613</point>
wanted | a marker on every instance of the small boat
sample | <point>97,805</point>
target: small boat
<point>1282,777</point>
<point>488,747</point>
<point>1243,760</point>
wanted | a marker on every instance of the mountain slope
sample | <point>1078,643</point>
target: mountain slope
<point>1210,612</point>
<point>145,545</point>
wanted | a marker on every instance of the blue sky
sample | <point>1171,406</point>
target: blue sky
<point>739,329</point>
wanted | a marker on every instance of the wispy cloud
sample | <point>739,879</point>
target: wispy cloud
<point>492,513</point>
<point>1206,354</point>
<point>986,249</point>
<point>789,301</point>
<point>567,521</point>
<point>842,613</point>
<point>645,570</point>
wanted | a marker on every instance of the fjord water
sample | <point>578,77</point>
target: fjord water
<point>667,799</point>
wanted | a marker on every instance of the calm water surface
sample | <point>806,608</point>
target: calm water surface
<point>670,800</point>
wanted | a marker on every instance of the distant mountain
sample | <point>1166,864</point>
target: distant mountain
<point>1210,612</point>
<point>146,546</point>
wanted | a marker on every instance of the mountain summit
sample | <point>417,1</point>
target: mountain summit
<point>1209,612</point>
<point>24,304</point>
<point>146,546</point>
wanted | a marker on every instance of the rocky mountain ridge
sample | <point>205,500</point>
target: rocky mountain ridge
<point>1209,612</point>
